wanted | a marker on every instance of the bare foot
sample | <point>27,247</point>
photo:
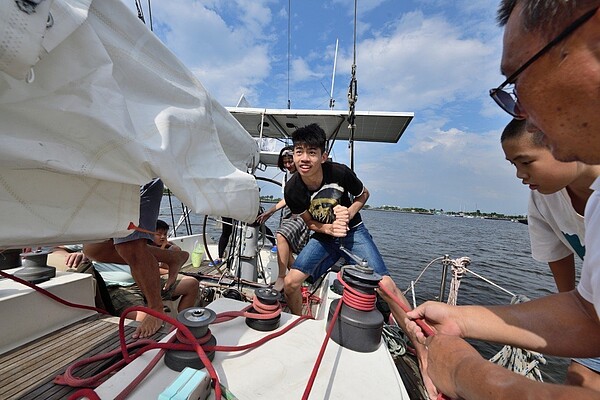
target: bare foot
<point>170,281</point>
<point>148,327</point>
<point>173,268</point>
<point>278,285</point>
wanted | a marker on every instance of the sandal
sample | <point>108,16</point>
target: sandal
<point>216,262</point>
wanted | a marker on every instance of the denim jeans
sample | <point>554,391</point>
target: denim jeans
<point>150,198</point>
<point>591,363</point>
<point>320,254</point>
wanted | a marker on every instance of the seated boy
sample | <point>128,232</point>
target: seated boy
<point>125,293</point>
<point>559,193</point>
<point>121,286</point>
<point>160,236</point>
<point>320,193</point>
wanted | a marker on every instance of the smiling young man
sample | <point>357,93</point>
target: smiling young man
<point>320,193</point>
<point>552,61</point>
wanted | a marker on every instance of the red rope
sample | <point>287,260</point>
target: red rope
<point>313,374</point>
<point>52,296</point>
<point>426,328</point>
<point>260,341</point>
<point>427,331</point>
<point>188,343</point>
<point>353,298</point>
<point>263,311</point>
<point>84,393</point>
<point>356,299</point>
<point>308,299</point>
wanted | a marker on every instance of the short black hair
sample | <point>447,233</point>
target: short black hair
<point>281,155</point>
<point>545,17</point>
<point>517,128</point>
<point>311,135</point>
<point>160,224</point>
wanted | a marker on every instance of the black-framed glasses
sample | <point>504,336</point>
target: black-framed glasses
<point>507,100</point>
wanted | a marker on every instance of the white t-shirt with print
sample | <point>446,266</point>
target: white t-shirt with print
<point>589,284</point>
<point>555,228</point>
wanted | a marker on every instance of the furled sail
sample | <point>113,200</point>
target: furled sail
<point>93,105</point>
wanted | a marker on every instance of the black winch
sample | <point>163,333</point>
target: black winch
<point>269,297</point>
<point>355,329</point>
<point>197,320</point>
<point>34,268</point>
<point>10,258</point>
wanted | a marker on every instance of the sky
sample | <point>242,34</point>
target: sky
<point>435,58</point>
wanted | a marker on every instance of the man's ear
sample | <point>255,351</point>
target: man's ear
<point>324,157</point>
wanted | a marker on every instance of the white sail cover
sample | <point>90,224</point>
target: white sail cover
<point>91,107</point>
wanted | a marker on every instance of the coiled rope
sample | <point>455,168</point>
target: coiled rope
<point>459,268</point>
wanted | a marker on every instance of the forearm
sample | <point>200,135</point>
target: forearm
<point>317,226</point>
<point>541,325</point>
<point>477,378</point>
<point>563,272</point>
<point>359,203</point>
<point>278,206</point>
<point>262,218</point>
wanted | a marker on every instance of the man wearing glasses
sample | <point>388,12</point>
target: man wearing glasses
<point>552,60</point>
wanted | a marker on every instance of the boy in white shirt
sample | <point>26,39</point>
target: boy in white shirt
<point>559,193</point>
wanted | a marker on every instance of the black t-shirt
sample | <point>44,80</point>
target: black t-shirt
<point>338,182</point>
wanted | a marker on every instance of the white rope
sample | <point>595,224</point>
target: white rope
<point>491,283</point>
<point>421,274</point>
<point>393,337</point>
<point>459,267</point>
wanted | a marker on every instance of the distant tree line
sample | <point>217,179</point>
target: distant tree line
<point>419,210</point>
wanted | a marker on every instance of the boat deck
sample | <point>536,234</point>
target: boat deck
<point>278,369</point>
<point>409,372</point>
<point>27,372</point>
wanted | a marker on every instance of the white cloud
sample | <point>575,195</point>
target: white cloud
<point>301,71</point>
<point>230,56</point>
<point>420,63</point>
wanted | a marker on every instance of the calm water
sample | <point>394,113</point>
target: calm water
<point>499,251</point>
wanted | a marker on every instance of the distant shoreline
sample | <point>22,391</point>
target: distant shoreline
<point>416,210</point>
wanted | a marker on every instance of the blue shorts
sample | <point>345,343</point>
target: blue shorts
<point>591,363</point>
<point>320,254</point>
<point>150,198</point>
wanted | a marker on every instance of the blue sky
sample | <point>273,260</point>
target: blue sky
<point>435,58</point>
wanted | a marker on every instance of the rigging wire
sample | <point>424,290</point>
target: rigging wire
<point>150,14</point>
<point>140,11</point>
<point>172,213</point>
<point>352,96</point>
<point>289,102</point>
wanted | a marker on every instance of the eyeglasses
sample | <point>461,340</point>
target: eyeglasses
<point>507,100</point>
